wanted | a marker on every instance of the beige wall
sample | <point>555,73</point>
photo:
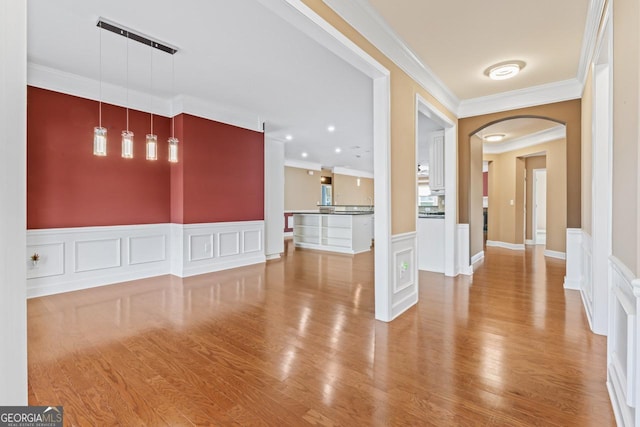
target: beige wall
<point>567,112</point>
<point>506,183</point>
<point>626,135</point>
<point>587,131</point>
<point>403,126</point>
<point>301,190</point>
<point>476,225</point>
<point>347,192</point>
<point>531,163</point>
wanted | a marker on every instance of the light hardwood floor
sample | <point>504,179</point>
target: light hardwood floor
<point>294,343</point>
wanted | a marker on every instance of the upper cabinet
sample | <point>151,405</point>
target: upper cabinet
<point>436,161</point>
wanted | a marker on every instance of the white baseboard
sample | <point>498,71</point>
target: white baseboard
<point>529,242</point>
<point>477,257</point>
<point>555,254</point>
<point>505,245</point>
<point>273,256</point>
<point>463,265</point>
<point>84,257</point>
<point>572,284</point>
<point>288,234</point>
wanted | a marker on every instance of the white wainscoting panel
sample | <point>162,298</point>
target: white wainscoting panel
<point>229,243</point>
<point>464,252</point>
<point>586,290</point>
<point>85,257</point>
<point>573,277</point>
<point>51,262</point>
<point>217,246</point>
<point>97,254</point>
<point>405,273</point>
<point>251,241</point>
<point>623,346</point>
<point>145,249</point>
<point>200,246</point>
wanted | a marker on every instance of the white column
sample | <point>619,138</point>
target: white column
<point>13,256</point>
<point>273,198</point>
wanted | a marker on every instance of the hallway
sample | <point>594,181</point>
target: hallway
<point>294,342</point>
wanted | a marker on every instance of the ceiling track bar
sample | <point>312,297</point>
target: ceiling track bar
<point>132,35</point>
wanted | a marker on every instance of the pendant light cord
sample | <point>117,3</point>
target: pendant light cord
<point>100,81</point>
<point>127,64</point>
<point>151,91</point>
<point>173,88</point>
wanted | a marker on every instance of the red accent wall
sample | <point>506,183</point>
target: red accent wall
<point>67,186</point>
<point>219,176</point>
<point>223,172</point>
<point>177,176</point>
<point>485,184</point>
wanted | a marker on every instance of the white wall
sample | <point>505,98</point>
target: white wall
<point>13,141</point>
<point>273,198</point>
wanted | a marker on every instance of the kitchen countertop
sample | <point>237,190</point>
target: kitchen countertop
<point>431,216</point>
<point>334,213</point>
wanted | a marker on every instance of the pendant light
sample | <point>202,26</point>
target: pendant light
<point>173,141</point>
<point>152,140</point>
<point>127,135</point>
<point>100,133</point>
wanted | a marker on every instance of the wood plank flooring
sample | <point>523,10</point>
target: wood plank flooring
<point>294,343</point>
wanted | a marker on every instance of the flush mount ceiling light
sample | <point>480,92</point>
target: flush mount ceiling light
<point>496,137</point>
<point>338,150</point>
<point>504,70</point>
<point>288,137</point>
<point>331,128</point>
<point>304,154</point>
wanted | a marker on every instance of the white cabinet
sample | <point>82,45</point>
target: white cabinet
<point>343,233</point>
<point>436,161</point>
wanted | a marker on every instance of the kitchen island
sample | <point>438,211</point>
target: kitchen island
<point>346,232</point>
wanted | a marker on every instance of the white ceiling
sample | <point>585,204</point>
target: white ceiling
<point>243,57</point>
<point>237,54</point>
<point>459,39</point>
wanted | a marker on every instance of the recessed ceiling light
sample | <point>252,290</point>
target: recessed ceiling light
<point>496,137</point>
<point>331,128</point>
<point>504,70</point>
<point>288,137</point>
<point>304,154</point>
<point>338,150</point>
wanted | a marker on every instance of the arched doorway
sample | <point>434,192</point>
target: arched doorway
<point>514,150</point>
<point>567,113</point>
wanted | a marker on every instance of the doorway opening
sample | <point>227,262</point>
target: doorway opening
<point>538,230</point>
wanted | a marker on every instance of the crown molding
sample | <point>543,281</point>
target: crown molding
<point>302,164</point>
<point>219,113</point>
<point>352,172</point>
<point>552,134</point>
<point>528,97</point>
<point>72,84</point>
<point>83,87</point>
<point>361,16</point>
<point>590,38</point>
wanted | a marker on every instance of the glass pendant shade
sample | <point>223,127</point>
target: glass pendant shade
<point>173,150</point>
<point>152,147</point>
<point>127,144</point>
<point>99,141</point>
